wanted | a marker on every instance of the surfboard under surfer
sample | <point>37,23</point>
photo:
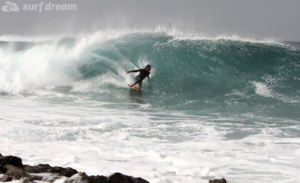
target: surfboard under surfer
<point>141,76</point>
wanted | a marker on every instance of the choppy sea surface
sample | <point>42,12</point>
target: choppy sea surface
<point>213,108</point>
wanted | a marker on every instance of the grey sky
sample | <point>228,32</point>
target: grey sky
<point>278,19</point>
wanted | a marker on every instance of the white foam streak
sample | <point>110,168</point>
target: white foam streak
<point>262,89</point>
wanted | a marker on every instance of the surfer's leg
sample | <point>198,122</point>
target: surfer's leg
<point>137,78</point>
<point>140,84</point>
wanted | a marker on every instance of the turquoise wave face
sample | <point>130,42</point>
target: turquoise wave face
<point>208,76</point>
<point>220,76</point>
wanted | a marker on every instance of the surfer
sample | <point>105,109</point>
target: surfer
<point>142,75</point>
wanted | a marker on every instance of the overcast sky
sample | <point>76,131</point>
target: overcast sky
<point>278,19</point>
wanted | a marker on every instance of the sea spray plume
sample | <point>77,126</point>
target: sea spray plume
<point>44,65</point>
<point>56,63</point>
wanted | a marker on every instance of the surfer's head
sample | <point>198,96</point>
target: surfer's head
<point>148,68</point>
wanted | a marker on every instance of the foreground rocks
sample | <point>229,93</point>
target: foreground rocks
<point>12,168</point>
<point>218,181</point>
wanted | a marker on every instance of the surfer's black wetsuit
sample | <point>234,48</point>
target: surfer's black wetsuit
<point>142,75</point>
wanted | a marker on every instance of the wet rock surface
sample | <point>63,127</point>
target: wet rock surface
<point>16,172</point>
<point>97,179</point>
<point>12,168</point>
<point>218,181</point>
<point>12,160</point>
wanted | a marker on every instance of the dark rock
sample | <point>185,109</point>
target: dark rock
<point>34,177</point>
<point>11,168</point>
<point>56,169</point>
<point>68,172</point>
<point>120,178</point>
<point>1,155</point>
<point>2,170</point>
<point>15,171</point>
<point>25,180</point>
<point>49,179</point>
<point>218,181</point>
<point>97,179</point>
<point>5,178</point>
<point>139,180</point>
<point>46,166</point>
<point>9,179</point>
<point>32,169</point>
<point>12,160</point>
<point>78,178</point>
<point>41,168</point>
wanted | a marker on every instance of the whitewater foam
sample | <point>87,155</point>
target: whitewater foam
<point>213,108</point>
<point>262,89</point>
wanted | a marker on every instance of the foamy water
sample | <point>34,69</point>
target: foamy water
<point>158,146</point>
<point>212,109</point>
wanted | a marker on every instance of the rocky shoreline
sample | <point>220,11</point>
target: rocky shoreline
<point>12,169</point>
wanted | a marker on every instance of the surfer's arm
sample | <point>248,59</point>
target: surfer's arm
<point>148,77</point>
<point>133,71</point>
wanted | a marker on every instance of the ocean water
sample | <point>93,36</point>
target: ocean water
<point>214,107</point>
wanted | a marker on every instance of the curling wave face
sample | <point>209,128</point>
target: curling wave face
<point>211,75</point>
